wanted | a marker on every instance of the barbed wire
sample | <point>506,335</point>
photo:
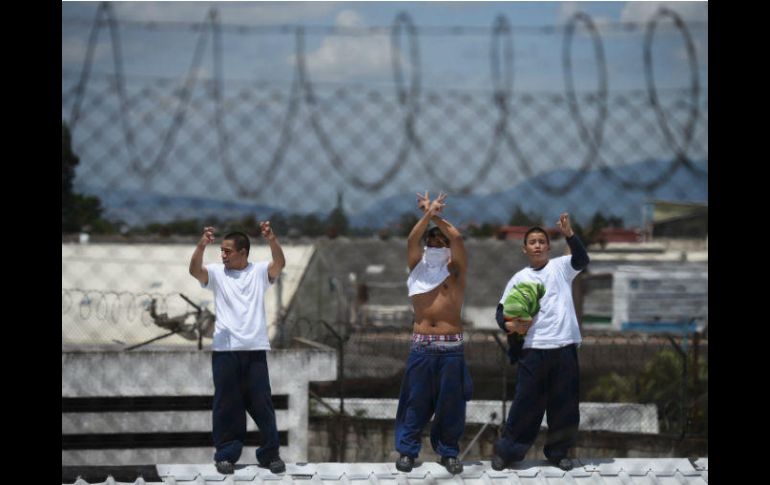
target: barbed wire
<point>346,30</point>
<point>302,91</point>
<point>113,306</point>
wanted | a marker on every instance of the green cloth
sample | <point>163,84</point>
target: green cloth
<point>523,301</point>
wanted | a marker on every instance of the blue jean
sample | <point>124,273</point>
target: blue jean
<point>241,385</point>
<point>547,382</point>
<point>436,381</point>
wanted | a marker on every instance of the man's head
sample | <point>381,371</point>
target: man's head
<point>536,246</point>
<point>434,238</point>
<point>235,250</point>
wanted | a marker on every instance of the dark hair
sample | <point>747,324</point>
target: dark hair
<point>433,232</point>
<point>240,239</point>
<point>536,229</point>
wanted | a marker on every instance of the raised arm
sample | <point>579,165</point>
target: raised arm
<point>279,261</point>
<point>580,258</point>
<point>413,246</point>
<point>456,244</point>
<point>197,270</point>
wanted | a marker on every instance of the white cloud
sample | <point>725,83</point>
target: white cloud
<point>349,18</point>
<point>342,57</point>
<point>644,11</point>
<point>568,9</point>
<point>248,13</point>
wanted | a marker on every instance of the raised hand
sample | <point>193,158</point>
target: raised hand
<point>207,237</point>
<point>564,225</point>
<point>267,231</point>
<point>423,201</point>
<point>437,205</point>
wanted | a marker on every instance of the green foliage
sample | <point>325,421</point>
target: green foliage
<point>521,218</point>
<point>337,222</point>
<point>405,223</point>
<point>598,222</point>
<point>613,388</point>
<point>486,229</point>
<point>192,227</point>
<point>78,212</point>
<point>660,383</point>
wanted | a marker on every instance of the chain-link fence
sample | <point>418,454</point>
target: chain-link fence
<point>641,384</point>
<point>150,158</point>
<point>205,147</point>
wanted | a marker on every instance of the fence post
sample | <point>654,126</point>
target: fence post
<point>503,416</point>
<point>341,424</point>
<point>682,404</point>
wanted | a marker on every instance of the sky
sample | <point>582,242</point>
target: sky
<point>349,44</point>
<point>458,61</point>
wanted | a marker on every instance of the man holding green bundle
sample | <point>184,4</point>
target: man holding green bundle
<point>537,304</point>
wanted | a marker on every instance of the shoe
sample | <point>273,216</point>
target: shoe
<point>498,464</point>
<point>277,465</point>
<point>563,463</point>
<point>452,464</point>
<point>405,463</point>
<point>225,467</point>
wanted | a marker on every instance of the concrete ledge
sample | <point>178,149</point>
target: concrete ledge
<point>178,373</point>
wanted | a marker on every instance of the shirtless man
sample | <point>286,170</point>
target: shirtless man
<point>436,381</point>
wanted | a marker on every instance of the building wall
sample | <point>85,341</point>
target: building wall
<point>108,276</point>
<point>178,373</point>
<point>659,294</point>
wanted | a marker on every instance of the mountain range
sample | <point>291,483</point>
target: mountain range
<point>591,193</point>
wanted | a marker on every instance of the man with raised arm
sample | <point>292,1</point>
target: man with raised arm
<point>436,381</point>
<point>238,360</point>
<point>548,375</point>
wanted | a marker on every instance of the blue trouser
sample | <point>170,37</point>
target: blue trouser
<point>437,381</point>
<point>547,382</point>
<point>242,384</point>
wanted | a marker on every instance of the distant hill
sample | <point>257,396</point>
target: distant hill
<point>594,192</point>
<point>136,207</point>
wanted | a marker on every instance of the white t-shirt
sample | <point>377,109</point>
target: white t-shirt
<point>239,300</point>
<point>555,325</point>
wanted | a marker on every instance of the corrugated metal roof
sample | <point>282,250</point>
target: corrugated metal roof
<point>661,471</point>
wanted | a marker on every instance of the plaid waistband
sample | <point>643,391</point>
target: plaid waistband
<point>421,337</point>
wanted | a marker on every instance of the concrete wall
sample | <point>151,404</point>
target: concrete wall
<point>617,417</point>
<point>178,373</point>
<point>123,277</point>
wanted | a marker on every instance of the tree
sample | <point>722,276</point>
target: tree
<point>660,383</point>
<point>279,224</point>
<point>310,225</point>
<point>598,222</point>
<point>486,229</point>
<point>521,218</point>
<point>337,222</point>
<point>78,212</point>
<point>406,222</point>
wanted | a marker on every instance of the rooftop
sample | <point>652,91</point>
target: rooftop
<point>594,471</point>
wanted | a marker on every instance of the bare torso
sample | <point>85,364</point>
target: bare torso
<point>438,311</point>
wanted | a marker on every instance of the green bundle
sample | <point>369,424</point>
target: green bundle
<point>523,301</point>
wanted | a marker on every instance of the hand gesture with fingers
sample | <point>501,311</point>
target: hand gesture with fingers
<point>564,225</point>
<point>437,205</point>
<point>423,201</point>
